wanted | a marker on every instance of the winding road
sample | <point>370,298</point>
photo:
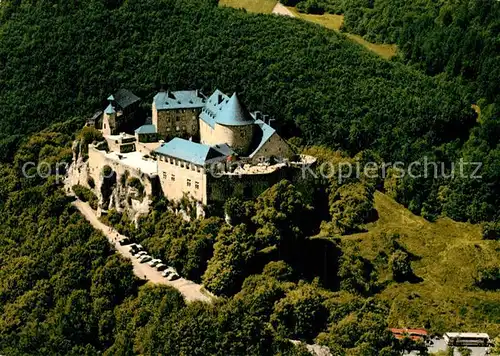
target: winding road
<point>190,290</point>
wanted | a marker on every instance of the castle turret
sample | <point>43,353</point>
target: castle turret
<point>234,125</point>
<point>109,118</point>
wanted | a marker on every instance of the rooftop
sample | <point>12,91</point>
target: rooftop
<point>124,98</point>
<point>182,99</point>
<point>189,151</point>
<point>466,335</point>
<point>134,160</point>
<point>234,113</point>
<point>267,132</point>
<point>110,110</point>
<point>146,129</point>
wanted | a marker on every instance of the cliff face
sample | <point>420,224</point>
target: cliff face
<point>115,188</point>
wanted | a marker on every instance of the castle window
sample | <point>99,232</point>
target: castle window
<point>188,182</point>
<point>104,125</point>
<point>196,185</point>
<point>177,128</point>
<point>164,175</point>
<point>172,177</point>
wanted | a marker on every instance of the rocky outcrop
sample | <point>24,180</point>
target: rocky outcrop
<point>115,190</point>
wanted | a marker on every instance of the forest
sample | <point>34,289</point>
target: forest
<point>314,82</point>
<point>64,291</point>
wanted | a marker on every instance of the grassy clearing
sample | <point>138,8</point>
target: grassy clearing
<point>255,6</point>
<point>448,255</point>
<point>331,21</point>
<point>334,22</point>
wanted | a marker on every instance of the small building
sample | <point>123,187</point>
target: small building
<point>146,134</point>
<point>414,334</point>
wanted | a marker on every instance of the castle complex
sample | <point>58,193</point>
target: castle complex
<point>205,148</point>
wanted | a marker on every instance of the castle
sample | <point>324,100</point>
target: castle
<point>206,148</point>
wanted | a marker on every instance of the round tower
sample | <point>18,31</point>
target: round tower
<point>235,126</point>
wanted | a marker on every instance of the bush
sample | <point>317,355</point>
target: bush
<point>488,278</point>
<point>311,7</point>
<point>86,195</point>
<point>400,266</point>
<point>491,231</point>
<point>136,183</point>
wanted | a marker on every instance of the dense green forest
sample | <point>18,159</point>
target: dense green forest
<point>64,291</point>
<point>313,81</point>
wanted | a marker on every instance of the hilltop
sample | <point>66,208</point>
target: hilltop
<point>447,257</point>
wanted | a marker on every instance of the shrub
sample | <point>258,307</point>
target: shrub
<point>488,278</point>
<point>91,182</point>
<point>491,230</point>
<point>400,266</point>
<point>136,183</point>
<point>86,195</point>
<point>107,171</point>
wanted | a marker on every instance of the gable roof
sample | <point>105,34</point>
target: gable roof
<point>182,99</point>
<point>124,98</point>
<point>234,113</point>
<point>267,132</point>
<point>189,151</point>
<point>146,129</point>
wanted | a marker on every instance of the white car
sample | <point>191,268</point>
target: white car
<point>140,253</point>
<point>161,267</point>
<point>144,258</point>
<point>170,274</point>
<point>154,262</point>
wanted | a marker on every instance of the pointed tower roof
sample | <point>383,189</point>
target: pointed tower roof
<point>110,110</point>
<point>111,98</point>
<point>234,113</point>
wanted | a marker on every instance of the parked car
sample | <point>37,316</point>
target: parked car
<point>161,267</point>
<point>140,253</point>
<point>166,273</point>
<point>134,248</point>
<point>124,241</point>
<point>173,277</point>
<point>144,258</point>
<point>154,262</point>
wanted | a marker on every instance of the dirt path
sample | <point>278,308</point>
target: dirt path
<point>279,9</point>
<point>190,290</point>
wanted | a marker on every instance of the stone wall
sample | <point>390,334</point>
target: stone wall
<point>276,147</point>
<point>176,123</point>
<point>238,137</point>
<point>178,177</point>
<point>114,191</point>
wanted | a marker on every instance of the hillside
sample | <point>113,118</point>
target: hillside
<point>448,255</point>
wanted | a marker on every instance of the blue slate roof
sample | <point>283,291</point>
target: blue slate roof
<point>189,151</point>
<point>221,109</point>
<point>110,110</point>
<point>225,149</point>
<point>146,129</point>
<point>267,132</point>
<point>213,106</point>
<point>183,99</point>
<point>233,113</point>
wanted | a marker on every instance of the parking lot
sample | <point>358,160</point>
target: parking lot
<point>190,290</point>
